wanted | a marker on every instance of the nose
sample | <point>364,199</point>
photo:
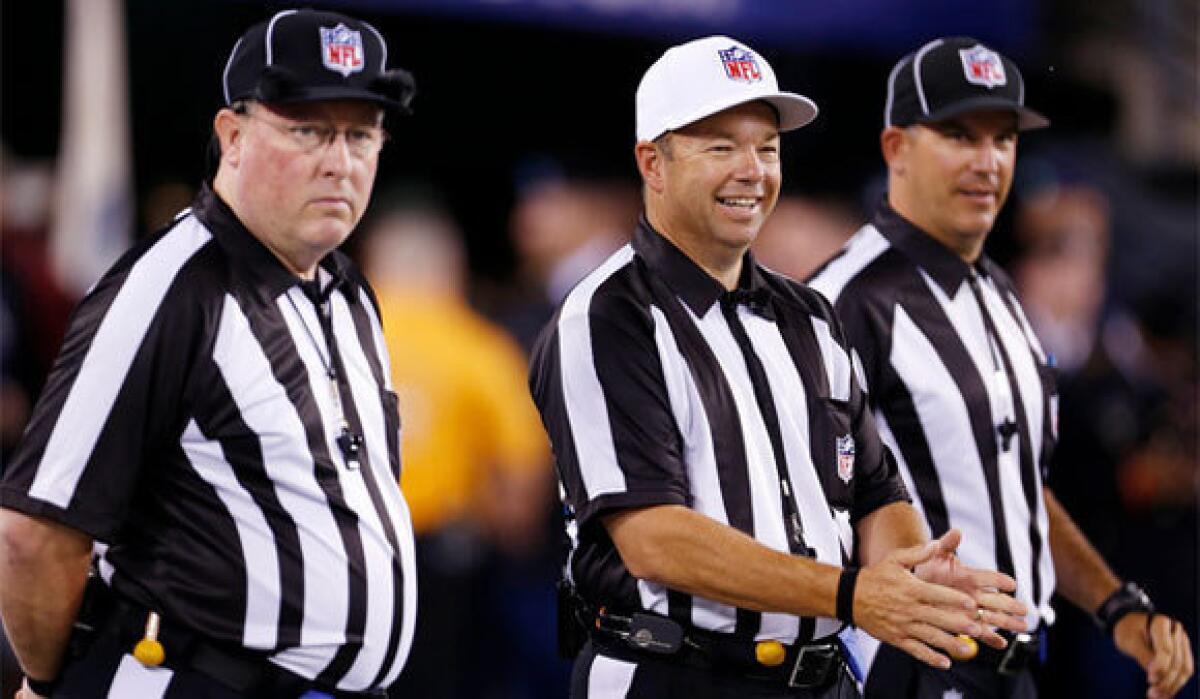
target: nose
<point>988,156</point>
<point>750,166</point>
<point>337,159</point>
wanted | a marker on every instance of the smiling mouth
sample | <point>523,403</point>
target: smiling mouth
<point>739,202</point>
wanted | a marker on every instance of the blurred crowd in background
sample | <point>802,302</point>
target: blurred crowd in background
<point>518,180</point>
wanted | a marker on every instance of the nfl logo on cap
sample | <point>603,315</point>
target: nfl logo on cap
<point>342,49</point>
<point>740,64</point>
<point>982,66</point>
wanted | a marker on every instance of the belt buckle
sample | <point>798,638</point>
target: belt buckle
<point>1016,656</point>
<point>821,660</point>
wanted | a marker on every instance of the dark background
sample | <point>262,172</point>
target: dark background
<point>502,82</point>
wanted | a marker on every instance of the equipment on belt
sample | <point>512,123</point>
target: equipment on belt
<point>149,651</point>
<point>641,635</point>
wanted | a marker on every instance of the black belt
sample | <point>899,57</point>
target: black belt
<point>639,636</point>
<point>1022,652</point>
<point>237,668</point>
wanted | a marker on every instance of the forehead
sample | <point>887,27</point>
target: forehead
<point>353,111</point>
<point>756,115</point>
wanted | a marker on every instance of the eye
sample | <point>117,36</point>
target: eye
<point>360,136</point>
<point>306,131</point>
<point>720,148</point>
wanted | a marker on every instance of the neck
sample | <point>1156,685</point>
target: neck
<point>720,262</point>
<point>967,246</point>
<point>223,189</point>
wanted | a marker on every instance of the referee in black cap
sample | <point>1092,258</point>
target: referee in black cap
<point>221,418</point>
<point>961,388</point>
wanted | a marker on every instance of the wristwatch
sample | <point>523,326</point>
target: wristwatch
<point>1128,598</point>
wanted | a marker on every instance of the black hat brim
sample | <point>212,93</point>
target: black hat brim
<point>1027,119</point>
<point>348,92</point>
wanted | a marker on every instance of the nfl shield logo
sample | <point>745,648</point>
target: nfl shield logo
<point>342,49</point>
<point>740,64</point>
<point>982,66</point>
<point>845,458</point>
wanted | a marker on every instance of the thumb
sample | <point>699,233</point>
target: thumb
<point>948,543</point>
<point>913,556</point>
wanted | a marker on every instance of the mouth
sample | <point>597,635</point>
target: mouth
<point>986,197</point>
<point>332,203</point>
<point>740,206</point>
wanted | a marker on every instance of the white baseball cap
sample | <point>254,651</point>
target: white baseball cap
<point>702,77</point>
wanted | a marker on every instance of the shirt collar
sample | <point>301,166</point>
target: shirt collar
<point>698,289</point>
<point>940,262</point>
<point>256,259</point>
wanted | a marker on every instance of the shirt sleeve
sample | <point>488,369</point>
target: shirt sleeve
<point>878,480</point>
<point>598,382</point>
<point>110,404</point>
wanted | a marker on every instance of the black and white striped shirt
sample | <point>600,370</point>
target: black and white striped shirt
<point>190,423</point>
<point>945,348</point>
<point>657,386</point>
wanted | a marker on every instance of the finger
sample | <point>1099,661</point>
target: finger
<point>993,639</point>
<point>1162,645</point>
<point>938,639</point>
<point>946,597</point>
<point>989,579</point>
<point>1003,604</point>
<point>1177,675</point>
<point>1183,646</point>
<point>914,555</point>
<point>924,653</point>
<point>1002,620</point>
<point>951,622</point>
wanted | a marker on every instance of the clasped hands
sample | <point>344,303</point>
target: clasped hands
<point>920,599</point>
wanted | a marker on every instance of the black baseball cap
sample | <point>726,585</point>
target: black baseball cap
<point>955,75</point>
<point>307,56</point>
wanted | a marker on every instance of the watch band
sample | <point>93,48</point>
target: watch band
<point>1129,597</point>
<point>844,602</point>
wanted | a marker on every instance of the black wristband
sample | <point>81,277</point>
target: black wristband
<point>845,594</point>
<point>43,688</point>
<point>1128,598</point>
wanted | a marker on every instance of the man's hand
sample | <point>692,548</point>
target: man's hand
<point>900,609</point>
<point>989,589</point>
<point>1161,647</point>
<point>26,693</point>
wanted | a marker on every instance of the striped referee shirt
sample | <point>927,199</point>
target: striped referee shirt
<point>190,423</point>
<point>657,386</point>
<point>946,348</point>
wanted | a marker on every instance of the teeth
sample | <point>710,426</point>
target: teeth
<point>747,202</point>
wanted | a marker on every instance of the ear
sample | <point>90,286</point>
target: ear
<point>893,141</point>
<point>230,130</point>
<point>650,162</point>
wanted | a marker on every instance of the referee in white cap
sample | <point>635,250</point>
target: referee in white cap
<point>731,505</point>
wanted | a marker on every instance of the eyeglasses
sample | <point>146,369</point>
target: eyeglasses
<point>310,136</point>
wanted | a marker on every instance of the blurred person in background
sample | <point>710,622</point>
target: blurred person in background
<point>802,233</point>
<point>562,226</point>
<point>475,466</point>
<point>1125,463</point>
<point>963,391</point>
